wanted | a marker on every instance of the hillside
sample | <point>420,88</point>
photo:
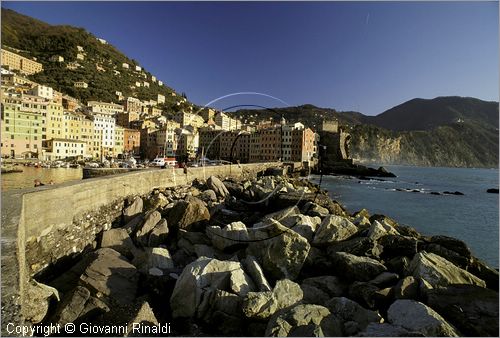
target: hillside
<point>422,114</point>
<point>101,67</point>
<point>445,131</point>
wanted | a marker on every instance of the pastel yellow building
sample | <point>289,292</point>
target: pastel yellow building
<point>119,141</point>
<point>18,62</point>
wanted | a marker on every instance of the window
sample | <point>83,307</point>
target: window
<point>27,146</point>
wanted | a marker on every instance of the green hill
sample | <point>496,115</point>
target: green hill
<point>422,114</point>
<point>101,68</point>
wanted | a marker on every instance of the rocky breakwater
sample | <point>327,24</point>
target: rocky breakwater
<point>270,256</point>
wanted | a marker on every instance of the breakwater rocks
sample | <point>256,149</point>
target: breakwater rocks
<point>271,256</point>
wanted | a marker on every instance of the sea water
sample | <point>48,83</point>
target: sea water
<point>472,217</point>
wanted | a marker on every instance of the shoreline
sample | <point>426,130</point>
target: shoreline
<point>263,236</point>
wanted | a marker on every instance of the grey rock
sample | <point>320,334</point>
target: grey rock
<point>385,279</point>
<point>143,230</point>
<point>72,306</point>
<point>415,316</point>
<point>313,209</point>
<point>252,267</point>
<point>331,285</point>
<point>119,240</point>
<point>397,245</point>
<point>378,230</point>
<point>37,300</point>
<point>484,272</point>
<point>159,258</point>
<point>231,234</point>
<point>158,201</point>
<point>262,305</point>
<point>158,235</point>
<point>287,322</point>
<point>281,252</point>
<point>472,309</point>
<point>303,225</point>
<point>111,275</point>
<point>439,272</point>
<point>202,275</point>
<point>280,215</point>
<point>217,186</point>
<point>356,268</point>
<point>359,246</point>
<point>143,315</point>
<point>350,311</point>
<point>452,244</point>
<point>186,213</point>
<point>133,209</point>
<point>208,195</point>
<point>314,295</point>
<point>407,288</point>
<point>202,250</point>
<point>334,229</point>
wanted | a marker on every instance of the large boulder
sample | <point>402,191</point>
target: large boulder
<point>378,230</point>
<point>334,229</point>
<point>304,319</point>
<point>223,308</point>
<point>415,316</point>
<point>158,235</point>
<point>232,234</point>
<point>313,209</point>
<point>330,285</point>
<point>280,215</point>
<point>184,214</point>
<point>452,244</point>
<point>143,230</point>
<point>280,251</point>
<point>143,315</point>
<point>406,288</point>
<point>359,246</point>
<point>119,240</point>
<point>484,272</point>
<point>356,268</point>
<point>303,225</point>
<point>438,271</point>
<point>353,316</point>
<point>262,305</point>
<point>78,304</point>
<point>133,209</point>
<point>111,275</point>
<point>214,183</point>
<point>397,245</point>
<point>202,275</point>
<point>37,298</point>
<point>472,309</point>
<point>253,268</point>
<point>159,258</point>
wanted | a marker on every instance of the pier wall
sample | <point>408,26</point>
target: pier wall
<point>43,225</point>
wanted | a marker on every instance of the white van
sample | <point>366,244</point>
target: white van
<point>158,162</point>
<point>163,161</point>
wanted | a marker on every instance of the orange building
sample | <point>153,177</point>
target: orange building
<point>131,141</point>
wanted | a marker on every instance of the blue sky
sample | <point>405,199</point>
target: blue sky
<point>362,56</point>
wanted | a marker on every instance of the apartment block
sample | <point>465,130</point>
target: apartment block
<point>131,141</point>
<point>17,62</point>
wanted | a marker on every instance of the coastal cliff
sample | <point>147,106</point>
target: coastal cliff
<point>267,256</point>
<point>456,145</point>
